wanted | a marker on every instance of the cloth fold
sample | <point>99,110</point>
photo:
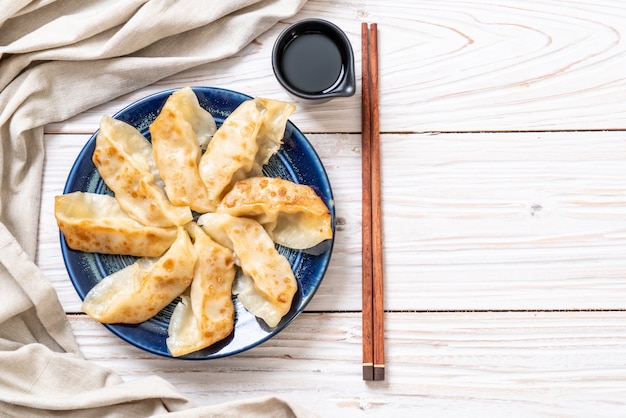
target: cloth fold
<point>59,58</point>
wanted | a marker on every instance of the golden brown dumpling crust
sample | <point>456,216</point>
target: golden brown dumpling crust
<point>207,314</point>
<point>243,144</point>
<point>232,151</point>
<point>258,257</point>
<point>177,154</point>
<point>95,223</point>
<point>124,159</point>
<point>293,214</point>
<point>139,291</point>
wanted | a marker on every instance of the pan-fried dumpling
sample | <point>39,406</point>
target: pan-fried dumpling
<point>206,314</point>
<point>177,151</point>
<point>293,214</point>
<point>124,159</point>
<point>254,301</point>
<point>270,136</point>
<point>269,270</point>
<point>96,223</point>
<point>231,153</point>
<point>138,292</point>
<point>201,121</point>
<point>244,143</point>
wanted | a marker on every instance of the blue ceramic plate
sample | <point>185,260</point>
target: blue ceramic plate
<point>295,161</point>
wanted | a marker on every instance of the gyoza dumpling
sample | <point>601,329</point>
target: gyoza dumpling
<point>96,223</point>
<point>206,315</point>
<point>124,159</point>
<point>243,144</point>
<point>231,153</point>
<point>269,270</point>
<point>176,149</point>
<point>270,136</point>
<point>138,292</point>
<point>254,301</point>
<point>293,214</point>
<point>201,121</point>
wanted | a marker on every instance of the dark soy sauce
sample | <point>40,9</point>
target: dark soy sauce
<point>312,63</point>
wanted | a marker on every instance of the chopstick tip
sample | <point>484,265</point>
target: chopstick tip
<point>379,372</point>
<point>368,372</point>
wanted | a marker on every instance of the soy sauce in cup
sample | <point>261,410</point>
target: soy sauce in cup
<point>313,60</point>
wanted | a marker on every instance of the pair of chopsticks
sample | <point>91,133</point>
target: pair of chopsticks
<point>373,310</point>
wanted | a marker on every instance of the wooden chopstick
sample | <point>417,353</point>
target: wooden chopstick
<point>366,211</point>
<point>373,304</point>
<point>377,221</point>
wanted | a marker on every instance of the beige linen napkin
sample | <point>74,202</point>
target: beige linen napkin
<point>58,58</point>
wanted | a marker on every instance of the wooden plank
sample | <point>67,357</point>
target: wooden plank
<point>471,221</point>
<point>505,221</point>
<point>440,364</point>
<point>500,65</point>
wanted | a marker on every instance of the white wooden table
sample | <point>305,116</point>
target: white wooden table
<point>504,190</point>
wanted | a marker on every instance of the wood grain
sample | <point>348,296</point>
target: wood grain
<point>450,66</point>
<point>440,364</point>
